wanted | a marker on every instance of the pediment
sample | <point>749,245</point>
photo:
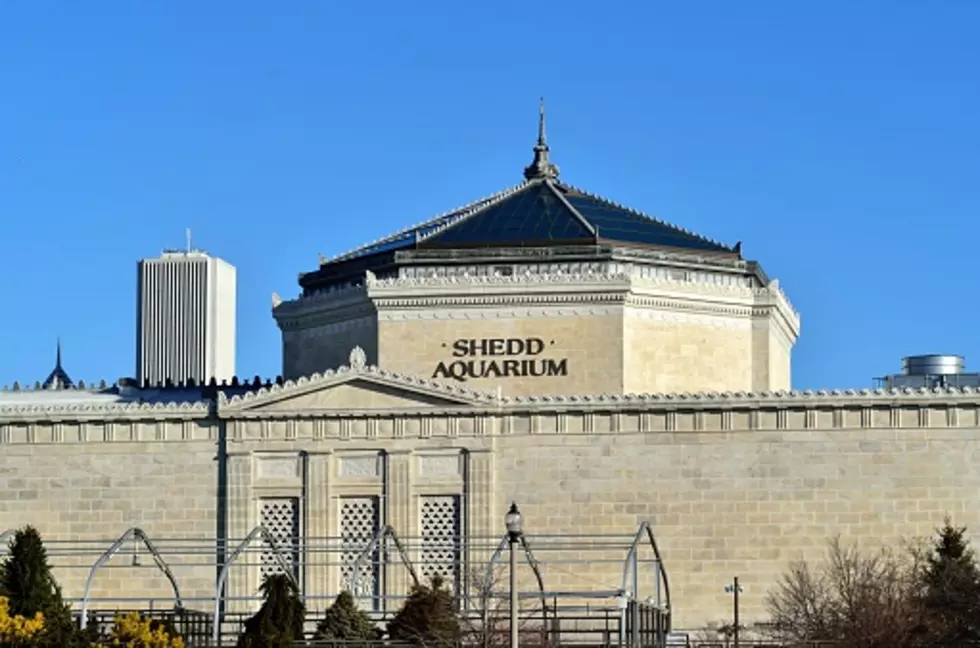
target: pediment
<point>356,389</point>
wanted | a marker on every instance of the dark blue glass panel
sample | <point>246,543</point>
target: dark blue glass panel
<point>619,224</point>
<point>397,242</point>
<point>532,215</point>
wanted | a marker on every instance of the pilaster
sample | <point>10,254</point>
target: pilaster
<point>241,520</point>
<point>318,531</point>
<point>480,507</point>
<point>402,516</point>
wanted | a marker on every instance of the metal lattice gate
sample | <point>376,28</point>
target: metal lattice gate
<point>439,524</point>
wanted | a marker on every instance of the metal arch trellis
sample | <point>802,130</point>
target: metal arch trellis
<point>223,575</point>
<point>138,534</point>
<point>385,532</point>
<point>630,565</point>
<point>531,560</point>
<point>631,573</point>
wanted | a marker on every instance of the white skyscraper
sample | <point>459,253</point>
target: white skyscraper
<point>185,318</point>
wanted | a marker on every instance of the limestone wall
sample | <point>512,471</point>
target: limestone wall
<point>616,330</point>
<point>734,486</point>
<point>83,484</point>
<point>737,502</point>
<point>319,332</point>
<point>665,352</point>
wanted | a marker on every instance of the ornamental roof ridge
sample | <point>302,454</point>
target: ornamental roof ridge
<point>354,370</point>
<point>768,398</point>
<point>460,213</point>
<point>636,212</point>
<point>80,386</point>
<point>201,407</point>
<point>524,278</point>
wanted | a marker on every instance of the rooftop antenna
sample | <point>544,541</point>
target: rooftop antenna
<point>187,233</point>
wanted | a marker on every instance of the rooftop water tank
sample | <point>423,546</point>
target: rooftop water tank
<point>932,365</point>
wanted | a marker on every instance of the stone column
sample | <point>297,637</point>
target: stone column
<point>401,515</point>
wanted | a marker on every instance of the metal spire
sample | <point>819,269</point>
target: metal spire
<point>542,139</point>
<point>541,168</point>
<point>59,378</point>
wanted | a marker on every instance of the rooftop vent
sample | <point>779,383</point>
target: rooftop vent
<point>930,371</point>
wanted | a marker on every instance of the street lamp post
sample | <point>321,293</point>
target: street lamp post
<point>735,589</point>
<point>514,531</point>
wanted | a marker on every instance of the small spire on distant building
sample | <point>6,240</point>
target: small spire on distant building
<point>58,378</point>
<point>541,168</point>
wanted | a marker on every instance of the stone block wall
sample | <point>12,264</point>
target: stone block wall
<point>318,348</point>
<point>738,502</point>
<point>84,484</point>
<point>666,352</point>
<point>733,487</point>
<point>614,331</point>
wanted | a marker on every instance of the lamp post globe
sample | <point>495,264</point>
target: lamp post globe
<point>514,522</point>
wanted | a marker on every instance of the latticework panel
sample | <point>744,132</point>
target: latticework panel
<point>440,530</point>
<point>359,522</point>
<point>280,517</point>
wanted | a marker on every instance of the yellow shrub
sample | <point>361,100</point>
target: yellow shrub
<point>17,630</point>
<point>132,631</point>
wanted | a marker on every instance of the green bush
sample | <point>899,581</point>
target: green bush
<point>279,622</point>
<point>428,617</point>
<point>26,581</point>
<point>951,588</point>
<point>344,621</point>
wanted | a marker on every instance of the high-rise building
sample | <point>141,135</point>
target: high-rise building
<point>185,318</point>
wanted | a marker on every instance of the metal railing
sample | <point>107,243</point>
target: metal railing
<point>586,589</point>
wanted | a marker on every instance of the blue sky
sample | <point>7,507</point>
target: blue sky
<point>838,140</point>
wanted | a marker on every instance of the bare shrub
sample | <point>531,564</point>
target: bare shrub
<point>866,600</point>
<point>487,625</point>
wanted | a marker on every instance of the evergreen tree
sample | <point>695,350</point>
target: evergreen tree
<point>279,622</point>
<point>27,582</point>
<point>344,621</point>
<point>428,617</point>
<point>951,588</point>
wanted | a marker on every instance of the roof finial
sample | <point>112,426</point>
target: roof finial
<point>541,168</point>
<point>57,360</point>
<point>542,139</point>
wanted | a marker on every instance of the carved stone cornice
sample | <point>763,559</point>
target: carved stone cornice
<point>816,398</point>
<point>323,308</point>
<point>490,416</point>
<point>520,281</point>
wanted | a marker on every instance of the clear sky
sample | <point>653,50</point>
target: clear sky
<point>838,140</point>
